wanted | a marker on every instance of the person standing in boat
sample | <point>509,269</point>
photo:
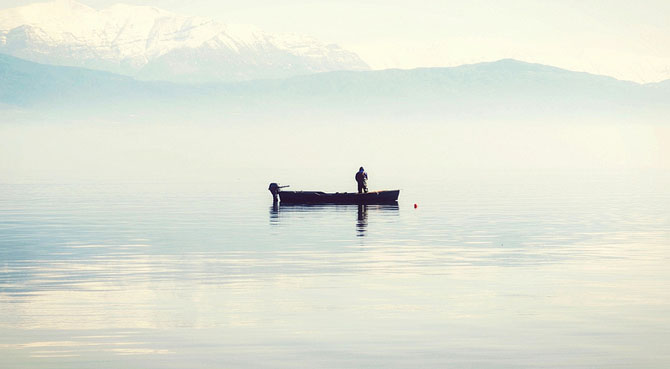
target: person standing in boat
<point>362,179</point>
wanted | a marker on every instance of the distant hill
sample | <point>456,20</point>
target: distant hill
<point>506,85</point>
<point>28,84</point>
<point>663,85</point>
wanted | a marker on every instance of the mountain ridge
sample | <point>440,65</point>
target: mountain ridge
<point>153,44</point>
<point>504,85</point>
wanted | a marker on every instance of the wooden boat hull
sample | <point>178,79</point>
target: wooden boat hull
<point>317,197</point>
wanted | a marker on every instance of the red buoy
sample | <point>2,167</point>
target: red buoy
<point>415,206</point>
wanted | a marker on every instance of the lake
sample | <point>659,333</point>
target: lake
<point>490,270</point>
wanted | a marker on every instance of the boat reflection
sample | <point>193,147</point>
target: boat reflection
<point>361,212</point>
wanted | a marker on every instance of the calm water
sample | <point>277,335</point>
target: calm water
<point>532,270</point>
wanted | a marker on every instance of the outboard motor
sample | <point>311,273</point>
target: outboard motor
<point>274,189</point>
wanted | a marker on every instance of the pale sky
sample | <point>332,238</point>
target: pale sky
<point>625,39</point>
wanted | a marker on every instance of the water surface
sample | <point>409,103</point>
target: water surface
<point>531,270</point>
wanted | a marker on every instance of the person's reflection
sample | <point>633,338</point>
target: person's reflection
<point>362,222</point>
<point>274,213</point>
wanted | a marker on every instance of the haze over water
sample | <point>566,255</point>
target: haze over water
<point>495,268</point>
<point>137,145</point>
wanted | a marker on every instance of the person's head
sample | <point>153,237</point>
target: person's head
<point>361,169</point>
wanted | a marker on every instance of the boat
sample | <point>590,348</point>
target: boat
<point>318,197</point>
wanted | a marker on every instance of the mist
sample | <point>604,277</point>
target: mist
<point>319,152</point>
<point>68,124</point>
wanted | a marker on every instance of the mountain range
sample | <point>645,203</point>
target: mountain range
<point>153,44</point>
<point>497,87</point>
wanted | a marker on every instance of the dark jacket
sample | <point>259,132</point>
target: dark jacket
<point>361,177</point>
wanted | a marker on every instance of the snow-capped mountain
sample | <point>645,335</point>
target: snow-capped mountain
<point>154,44</point>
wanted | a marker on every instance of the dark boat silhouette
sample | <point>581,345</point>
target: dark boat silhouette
<point>318,197</point>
